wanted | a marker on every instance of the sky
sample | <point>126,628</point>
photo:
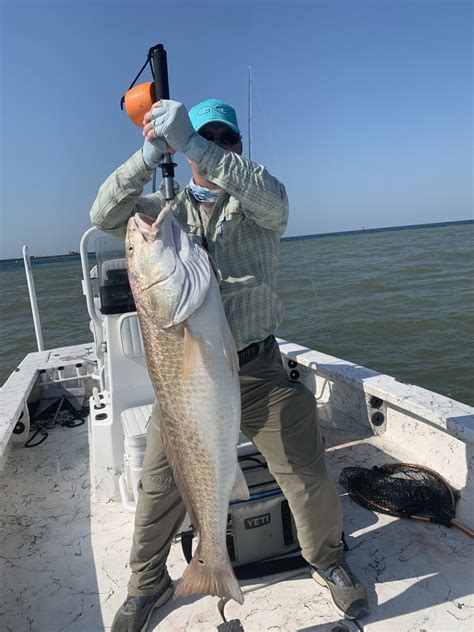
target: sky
<point>363,109</point>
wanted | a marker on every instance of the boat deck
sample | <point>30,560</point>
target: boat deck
<point>65,560</point>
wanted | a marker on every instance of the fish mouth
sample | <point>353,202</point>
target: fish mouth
<point>146,226</point>
<point>141,217</point>
<point>155,230</point>
<point>150,226</point>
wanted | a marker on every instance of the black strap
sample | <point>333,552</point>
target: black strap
<point>148,61</point>
<point>187,544</point>
<point>269,567</point>
<point>255,569</point>
<point>252,351</point>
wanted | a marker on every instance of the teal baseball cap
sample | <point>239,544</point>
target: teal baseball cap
<point>213,111</point>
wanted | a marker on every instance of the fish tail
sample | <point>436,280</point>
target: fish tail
<point>203,579</point>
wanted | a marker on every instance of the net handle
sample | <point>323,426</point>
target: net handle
<point>462,527</point>
<point>453,523</point>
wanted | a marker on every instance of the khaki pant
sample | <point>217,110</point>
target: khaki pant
<point>279,416</point>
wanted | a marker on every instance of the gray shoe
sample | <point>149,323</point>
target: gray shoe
<point>347,593</point>
<point>135,612</point>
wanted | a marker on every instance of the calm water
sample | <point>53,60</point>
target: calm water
<point>400,302</point>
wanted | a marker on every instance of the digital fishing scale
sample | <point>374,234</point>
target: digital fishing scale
<point>139,99</point>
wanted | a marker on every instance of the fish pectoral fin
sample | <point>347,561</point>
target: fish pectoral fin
<point>230,353</point>
<point>193,352</point>
<point>239,491</point>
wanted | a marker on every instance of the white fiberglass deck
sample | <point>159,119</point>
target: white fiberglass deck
<point>65,561</point>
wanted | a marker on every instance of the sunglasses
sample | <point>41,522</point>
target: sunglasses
<point>226,138</point>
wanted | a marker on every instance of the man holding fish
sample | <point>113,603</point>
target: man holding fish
<point>237,212</point>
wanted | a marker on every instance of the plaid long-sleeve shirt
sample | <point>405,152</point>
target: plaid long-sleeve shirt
<point>242,233</point>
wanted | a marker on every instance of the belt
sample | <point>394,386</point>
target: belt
<point>252,351</point>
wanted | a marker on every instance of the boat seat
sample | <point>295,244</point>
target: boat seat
<point>135,421</point>
<point>126,385</point>
<point>126,371</point>
<point>120,263</point>
<point>131,336</point>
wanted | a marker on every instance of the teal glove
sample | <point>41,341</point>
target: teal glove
<point>171,121</point>
<point>154,152</point>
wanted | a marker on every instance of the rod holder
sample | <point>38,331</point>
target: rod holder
<point>80,369</point>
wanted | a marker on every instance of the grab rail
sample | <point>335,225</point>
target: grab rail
<point>86,282</point>
<point>33,301</point>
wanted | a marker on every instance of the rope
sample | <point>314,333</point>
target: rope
<point>70,418</point>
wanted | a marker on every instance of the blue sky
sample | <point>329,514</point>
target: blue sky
<point>362,108</point>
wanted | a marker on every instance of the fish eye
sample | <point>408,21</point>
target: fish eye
<point>130,249</point>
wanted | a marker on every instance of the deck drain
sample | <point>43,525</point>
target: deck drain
<point>377,418</point>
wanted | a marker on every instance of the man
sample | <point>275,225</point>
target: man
<point>238,211</point>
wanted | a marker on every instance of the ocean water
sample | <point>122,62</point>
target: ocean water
<point>396,301</point>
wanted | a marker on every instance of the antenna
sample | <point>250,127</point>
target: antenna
<point>250,113</point>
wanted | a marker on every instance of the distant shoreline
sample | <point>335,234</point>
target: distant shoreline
<point>362,231</point>
<point>38,257</point>
<point>293,238</point>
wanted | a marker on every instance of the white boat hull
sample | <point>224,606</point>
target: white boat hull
<point>64,555</point>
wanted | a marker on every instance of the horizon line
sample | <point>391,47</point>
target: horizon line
<point>377,230</point>
<point>295,237</point>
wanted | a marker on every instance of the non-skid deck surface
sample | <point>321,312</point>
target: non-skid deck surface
<point>64,561</point>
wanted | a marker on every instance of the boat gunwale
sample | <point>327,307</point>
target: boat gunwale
<point>20,383</point>
<point>448,415</point>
